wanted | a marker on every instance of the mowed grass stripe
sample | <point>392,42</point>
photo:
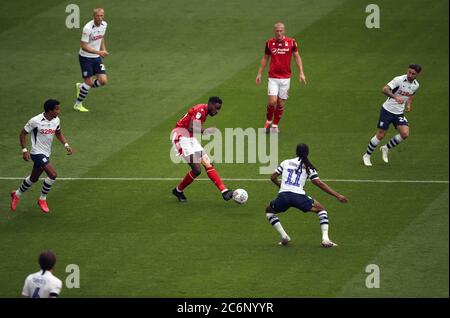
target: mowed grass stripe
<point>411,263</point>
<point>213,248</point>
<point>150,80</point>
<point>231,65</point>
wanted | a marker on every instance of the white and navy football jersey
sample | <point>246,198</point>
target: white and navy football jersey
<point>42,285</point>
<point>400,86</point>
<point>42,132</point>
<point>293,178</point>
<point>93,36</point>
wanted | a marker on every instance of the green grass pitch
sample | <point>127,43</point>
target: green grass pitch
<point>132,239</point>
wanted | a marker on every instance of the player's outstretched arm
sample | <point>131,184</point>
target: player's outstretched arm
<point>63,140</point>
<point>274,179</point>
<point>261,68</point>
<point>326,188</point>
<point>103,48</point>
<point>408,104</point>
<point>103,45</point>
<point>23,144</point>
<point>298,61</point>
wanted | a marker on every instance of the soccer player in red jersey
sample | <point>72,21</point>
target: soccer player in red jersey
<point>191,150</point>
<point>280,50</point>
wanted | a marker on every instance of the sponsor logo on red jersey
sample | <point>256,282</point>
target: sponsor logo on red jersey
<point>280,57</point>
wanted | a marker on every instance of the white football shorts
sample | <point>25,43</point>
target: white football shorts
<point>187,146</point>
<point>279,87</point>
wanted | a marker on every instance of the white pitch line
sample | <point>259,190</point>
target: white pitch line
<point>232,179</point>
<point>387,181</point>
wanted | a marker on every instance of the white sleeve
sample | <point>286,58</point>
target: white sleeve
<point>280,168</point>
<point>396,81</point>
<point>30,125</point>
<point>85,35</point>
<point>312,174</point>
<point>26,288</point>
<point>56,289</point>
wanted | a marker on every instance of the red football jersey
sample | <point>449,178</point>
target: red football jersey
<point>280,56</point>
<point>197,112</point>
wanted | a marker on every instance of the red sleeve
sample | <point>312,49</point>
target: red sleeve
<point>186,120</point>
<point>294,46</point>
<point>189,114</point>
<point>266,48</point>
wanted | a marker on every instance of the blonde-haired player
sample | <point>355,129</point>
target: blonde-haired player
<point>92,50</point>
<point>279,49</point>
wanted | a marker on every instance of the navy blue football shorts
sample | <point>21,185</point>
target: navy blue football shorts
<point>387,118</point>
<point>286,200</point>
<point>40,160</point>
<point>91,66</point>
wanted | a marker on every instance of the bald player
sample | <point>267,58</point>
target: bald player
<point>279,50</point>
<point>92,50</point>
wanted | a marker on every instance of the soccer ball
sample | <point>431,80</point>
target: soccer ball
<point>240,196</point>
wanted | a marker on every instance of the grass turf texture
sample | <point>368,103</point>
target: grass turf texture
<point>134,239</point>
